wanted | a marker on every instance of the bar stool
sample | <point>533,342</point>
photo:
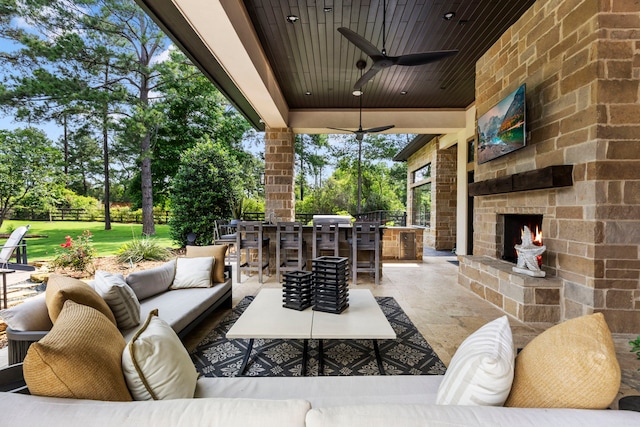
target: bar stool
<point>291,249</point>
<point>225,234</point>
<point>366,238</point>
<point>325,237</point>
<point>250,237</point>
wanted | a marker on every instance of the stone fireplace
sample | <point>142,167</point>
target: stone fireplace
<point>582,83</point>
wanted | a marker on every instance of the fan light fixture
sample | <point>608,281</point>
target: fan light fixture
<point>380,58</point>
<point>292,19</point>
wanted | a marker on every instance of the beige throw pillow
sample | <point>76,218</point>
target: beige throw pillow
<point>156,365</point>
<point>218,252</point>
<point>153,281</point>
<point>193,273</point>
<point>62,288</point>
<point>79,358</point>
<point>31,315</point>
<point>120,297</point>
<point>570,365</point>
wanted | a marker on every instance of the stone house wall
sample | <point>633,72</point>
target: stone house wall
<point>580,60</point>
<point>441,235</point>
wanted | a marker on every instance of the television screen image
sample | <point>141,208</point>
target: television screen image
<point>501,130</point>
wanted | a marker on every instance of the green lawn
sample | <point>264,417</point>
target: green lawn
<point>105,242</point>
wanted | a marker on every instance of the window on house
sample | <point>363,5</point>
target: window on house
<point>422,173</point>
<point>422,205</point>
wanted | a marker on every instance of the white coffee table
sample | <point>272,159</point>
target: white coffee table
<point>267,318</point>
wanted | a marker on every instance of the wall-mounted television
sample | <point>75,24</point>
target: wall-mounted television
<point>501,130</point>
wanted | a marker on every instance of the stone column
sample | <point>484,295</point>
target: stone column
<point>279,159</point>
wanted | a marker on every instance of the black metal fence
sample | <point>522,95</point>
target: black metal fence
<point>162,217</point>
<point>383,217</point>
<point>74,214</point>
<point>398,218</point>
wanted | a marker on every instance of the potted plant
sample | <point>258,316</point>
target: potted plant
<point>632,403</point>
<point>635,347</point>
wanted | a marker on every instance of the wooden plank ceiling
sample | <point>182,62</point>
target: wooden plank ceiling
<point>315,65</point>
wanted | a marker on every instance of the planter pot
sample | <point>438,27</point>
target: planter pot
<point>629,403</point>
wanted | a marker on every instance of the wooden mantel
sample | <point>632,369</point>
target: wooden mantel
<point>549,177</point>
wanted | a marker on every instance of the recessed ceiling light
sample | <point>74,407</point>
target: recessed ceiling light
<point>292,19</point>
<point>307,93</point>
<point>328,9</point>
<point>404,92</point>
<point>448,16</point>
<point>357,93</point>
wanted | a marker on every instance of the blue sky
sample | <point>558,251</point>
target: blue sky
<point>7,121</point>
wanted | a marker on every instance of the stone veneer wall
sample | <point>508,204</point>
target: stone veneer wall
<point>442,233</point>
<point>580,60</point>
<point>279,158</point>
<point>444,198</point>
<point>392,242</point>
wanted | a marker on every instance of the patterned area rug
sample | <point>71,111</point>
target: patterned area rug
<point>408,354</point>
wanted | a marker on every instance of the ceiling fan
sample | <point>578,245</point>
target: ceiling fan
<point>380,58</point>
<point>360,133</point>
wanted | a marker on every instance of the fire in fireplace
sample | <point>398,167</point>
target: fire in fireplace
<point>512,233</point>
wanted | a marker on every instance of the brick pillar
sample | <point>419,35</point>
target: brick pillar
<point>279,158</point>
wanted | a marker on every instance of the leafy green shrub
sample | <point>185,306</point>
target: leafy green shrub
<point>76,254</point>
<point>142,249</point>
<point>204,189</point>
<point>635,347</point>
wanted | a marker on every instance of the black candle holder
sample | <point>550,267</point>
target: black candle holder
<point>330,284</point>
<point>297,290</point>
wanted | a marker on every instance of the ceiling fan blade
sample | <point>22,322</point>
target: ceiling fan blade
<point>423,58</point>
<point>366,77</point>
<point>362,43</point>
<point>379,129</point>
<point>343,130</point>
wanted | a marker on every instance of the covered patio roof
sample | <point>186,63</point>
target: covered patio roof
<point>300,75</point>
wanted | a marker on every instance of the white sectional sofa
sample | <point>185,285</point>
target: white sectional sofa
<point>83,372</point>
<point>300,401</point>
<point>182,309</point>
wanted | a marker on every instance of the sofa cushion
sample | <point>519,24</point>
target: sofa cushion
<point>193,273</point>
<point>458,416</point>
<point>218,252</point>
<point>481,370</point>
<point>31,315</point>
<point>156,365</point>
<point>120,297</point>
<point>147,283</point>
<point>24,410</point>
<point>181,307</point>
<point>62,288</point>
<point>79,358</point>
<point>570,365</point>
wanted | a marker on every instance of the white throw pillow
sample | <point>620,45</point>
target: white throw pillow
<point>119,297</point>
<point>481,371</point>
<point>156,365</point>
<point>193,273</point>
